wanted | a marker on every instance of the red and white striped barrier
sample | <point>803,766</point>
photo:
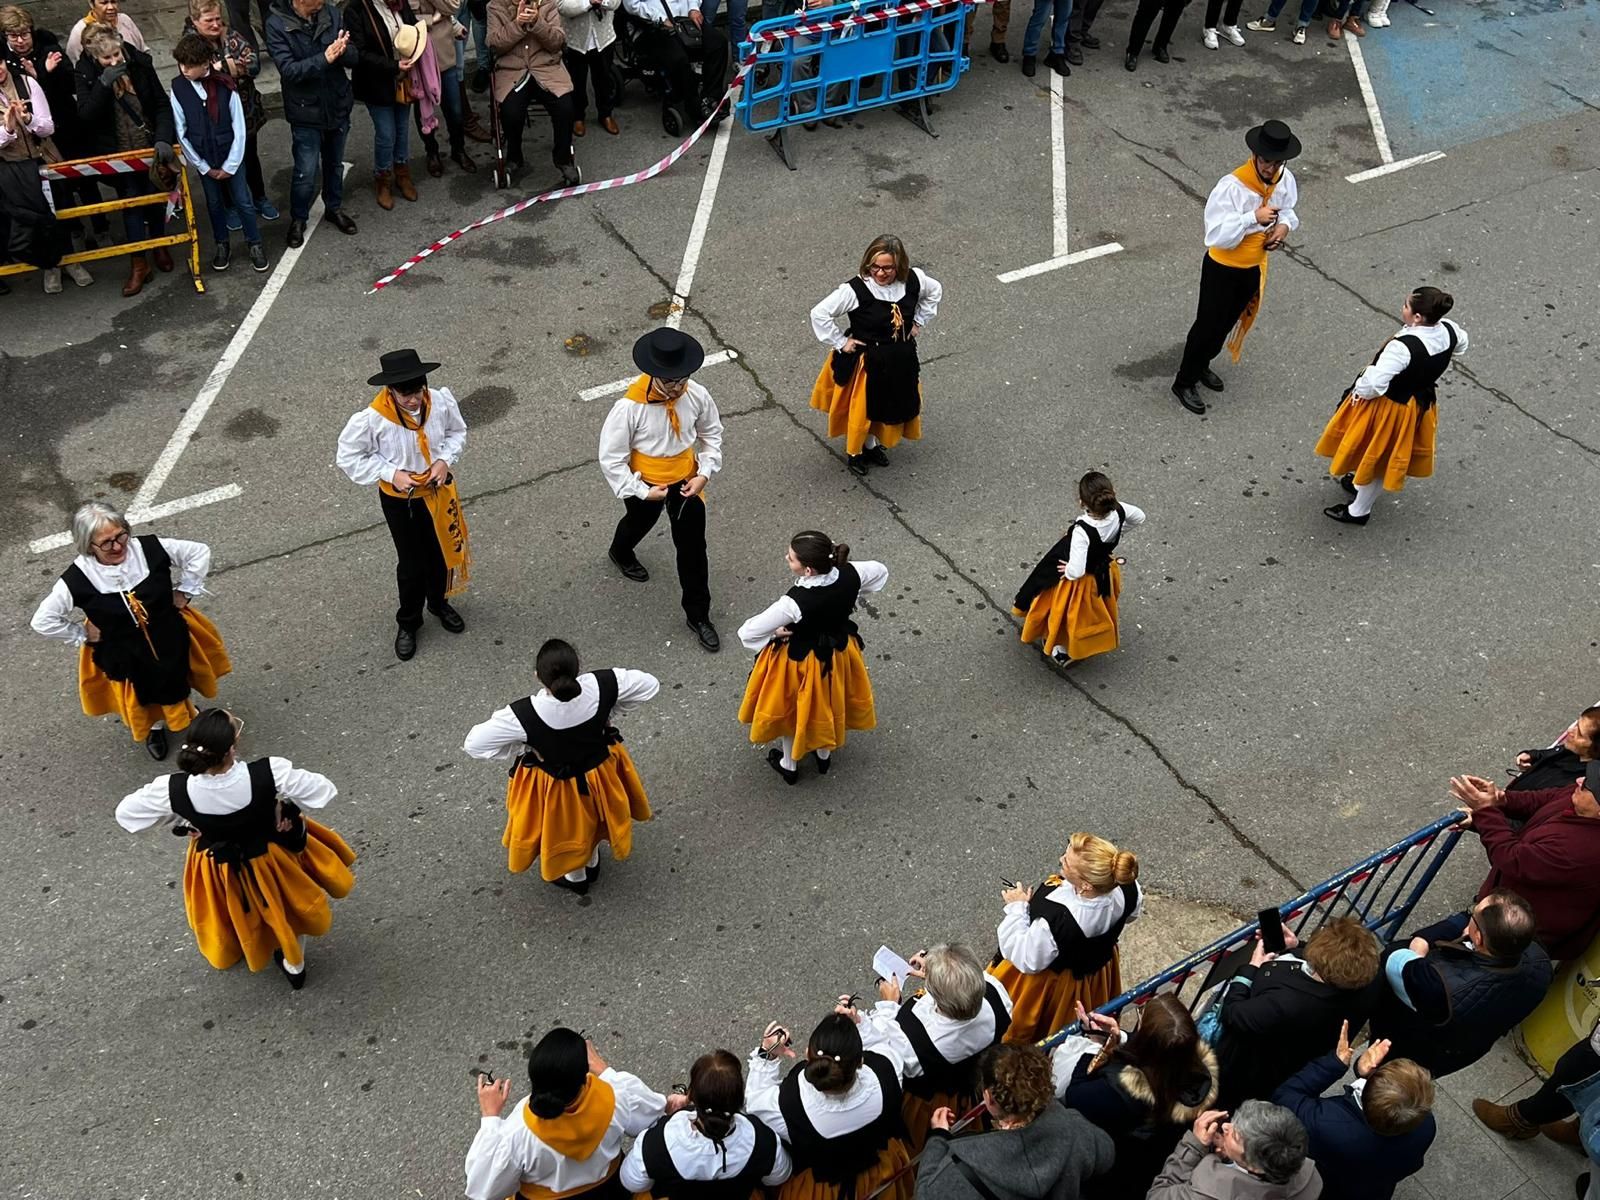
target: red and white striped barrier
<point>133,162</point>
<point>875,16</point>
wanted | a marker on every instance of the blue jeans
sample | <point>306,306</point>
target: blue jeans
<point>223,194</point>
<point>1060,11</point>
<point>1308,9</point>
<point>738,11</point>
<point>312,148</point>
<point>480,39</point>
<point>391,135</point>
<point>1352,8</point>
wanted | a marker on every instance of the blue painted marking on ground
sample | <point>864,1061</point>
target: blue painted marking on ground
<point>1481,68</point>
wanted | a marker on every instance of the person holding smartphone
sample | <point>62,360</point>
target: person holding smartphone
<point>528,41</point>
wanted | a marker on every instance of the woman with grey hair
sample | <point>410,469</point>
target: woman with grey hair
<point>141,647</point>
<point>1259,1155</point>
<point>940,1032</point>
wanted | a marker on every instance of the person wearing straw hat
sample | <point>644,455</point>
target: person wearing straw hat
<point>381,80</point>
<point>406,441</point>
<point>1249,213</point>
<point>659,447</point>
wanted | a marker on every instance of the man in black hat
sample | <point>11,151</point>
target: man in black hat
<point>659,446</point>
<point>406,442</point>
<point>1249,212</point>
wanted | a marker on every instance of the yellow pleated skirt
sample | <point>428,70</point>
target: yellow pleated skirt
<point>847,410</point>
<point>1379,438</point>
<point>1047,1001</point>
<point>802,1185</point>
<point>1074,614</point>
<point>786,698</point>
<point>249,910</point>
<point>549,819</point>
<point>208,662</point>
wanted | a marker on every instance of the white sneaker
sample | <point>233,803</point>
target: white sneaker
<point>1210,39</point>
<point>1231,32</point>
<point>52,281</point>
<point>78,275</point>
<point>1262,25</point>
<point>1377,20</point>
<point>1299,38</point>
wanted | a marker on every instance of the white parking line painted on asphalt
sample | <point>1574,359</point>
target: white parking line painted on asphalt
<point>618,386</point>
<point>697,231</point>
<point>1065,260</point>
<point>1392,167</point>
<point>1370,99</point>
<point>139,516</point>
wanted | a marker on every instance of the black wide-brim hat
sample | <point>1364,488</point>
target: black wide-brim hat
<point>668,354</point>
<point>400,366</point>
<point>1273,141</point>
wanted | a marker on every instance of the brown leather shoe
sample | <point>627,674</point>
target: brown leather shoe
<point>1565,1132</point>
<point>609,124</point>
<point>579,129</point>
<point>383,186</point>
<point>463,159</point>
<point>1354,25</point>
<point>1505,1120</point>
<point>474,128</point>
<point>1335,29</point>
<point>402,181</point>
<point>163,259</point>
<point>138,275</point>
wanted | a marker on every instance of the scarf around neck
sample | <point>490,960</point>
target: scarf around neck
<point>577,1133</point>
<point>639,393</point>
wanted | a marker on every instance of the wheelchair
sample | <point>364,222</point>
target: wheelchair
<point>677,112</point>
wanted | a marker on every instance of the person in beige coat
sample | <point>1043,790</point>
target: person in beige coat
<point>527,38</point>
<point>1259,1155</point>
<point>443,29</point>
<point>591,27</point>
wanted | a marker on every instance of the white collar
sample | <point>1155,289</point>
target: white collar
<point>817,580</point>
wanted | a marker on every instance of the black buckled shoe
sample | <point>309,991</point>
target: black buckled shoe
<point>1188,397</point>
<point>1348,483</point>
<point>1210,379</point>
<point>297,979</point>
<point>857,464</point>
<point>581,888</point>
<point>707,634</point>
<point>1342,514</point>
<point>156,743</point>
<point>822,763</point>
<point>775,761</point>
<point>405,644</point>
<point>633,570</point>
<point>876,455</point>
<point>449,618</point>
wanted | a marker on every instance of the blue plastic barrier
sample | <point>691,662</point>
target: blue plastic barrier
<point>898,59</point>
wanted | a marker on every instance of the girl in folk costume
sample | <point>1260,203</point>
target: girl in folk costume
<point>838,1111</point>
<point>809,685</point>
<point>1069,600</point>
<point>1383,429</point>
<point>565,1139</point>
<point>141,647</point>
<point>573,784</point>
<point>939,1033</point>
<point>1058,941</point>
<point>712,1150</point>
<point>259,872</point>
<point>870,386</point>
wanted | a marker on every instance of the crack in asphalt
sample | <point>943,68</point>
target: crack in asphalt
<point>1569,93</point>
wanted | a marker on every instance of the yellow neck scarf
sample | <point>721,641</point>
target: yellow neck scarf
<point>639,393</point>
<point>444,505</point>
<point>1251,252</point>
<point>577,1133</point>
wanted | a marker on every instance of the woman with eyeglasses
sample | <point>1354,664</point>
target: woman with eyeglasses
<point>141,647</point>
<point>870,387</point>
<point>259,872</point>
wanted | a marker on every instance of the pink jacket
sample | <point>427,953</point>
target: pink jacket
<point>425,86</point>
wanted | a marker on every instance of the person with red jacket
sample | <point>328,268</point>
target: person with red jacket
<point>1553,859</point>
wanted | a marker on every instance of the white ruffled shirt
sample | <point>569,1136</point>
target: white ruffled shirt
<point>372,447</point>
<point>1031,947</point>
<point>954,1040</point>
<point>647,428</point>
<point>225,792</point>
<point>1106,526</point>
<point>502,735</point>
<point>191,561</point>
<point>1231,209</point>
<point>758,630</point>
<point>831,1115</point>
<point>1394,357</point>
<point>828,317</point>
<point>697,1157</point>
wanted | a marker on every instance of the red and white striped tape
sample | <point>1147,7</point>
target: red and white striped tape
<point>131,163</point>
<point>875,16</point>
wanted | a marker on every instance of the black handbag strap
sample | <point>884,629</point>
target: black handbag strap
<point>971,1176</point>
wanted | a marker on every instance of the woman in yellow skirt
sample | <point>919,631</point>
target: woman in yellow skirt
<point>809,685</point>
<point>838,1111</point>
<point>1068,603</point>
<point>870,386</point>
<point>939,1033</point>
<point>1383,429</point>
<point>1058,941</point>
<point>141,647</point>
<point>573,784</point>
<point>259,872</point>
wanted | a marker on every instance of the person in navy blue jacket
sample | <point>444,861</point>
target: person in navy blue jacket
<point>210,120</point>
<point>1373,1134</point>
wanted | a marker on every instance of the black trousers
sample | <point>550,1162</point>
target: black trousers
<point>1548,1105</point>
<point>1082,17</point>
<point>419,570</point>
<point>661,46</point>
<point>514,118</point>
<point>1145,15</point>
<point>688,518</point>
<point>596,63</point>
<point>1224,293</point>
<point>1215,9</point>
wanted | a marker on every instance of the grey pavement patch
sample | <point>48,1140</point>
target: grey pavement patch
<point>486,405</point>
<point>250,423</point>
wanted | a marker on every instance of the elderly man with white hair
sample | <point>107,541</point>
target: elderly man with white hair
<point>141,648</point>
<point>1259,1155</point>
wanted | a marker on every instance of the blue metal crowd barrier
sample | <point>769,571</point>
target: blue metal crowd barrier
<point>1381,890</point>
<point>900,58</point>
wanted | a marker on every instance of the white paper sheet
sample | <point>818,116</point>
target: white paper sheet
<point>890,965</point>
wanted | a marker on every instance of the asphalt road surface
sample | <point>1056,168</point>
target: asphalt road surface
<point>1290,693</point>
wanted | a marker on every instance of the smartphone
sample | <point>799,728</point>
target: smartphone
<point>1271,924</point>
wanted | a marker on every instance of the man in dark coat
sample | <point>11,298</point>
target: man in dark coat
<point>307,41</point>
<point>1376,1132</point>
<point>1563,764</point>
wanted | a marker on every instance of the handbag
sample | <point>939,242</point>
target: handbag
<point>690,35</point>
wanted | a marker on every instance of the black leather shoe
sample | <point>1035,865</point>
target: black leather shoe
<point>1131,63</point>
<point>876,455</point>
<point>1089,42</point>
<point>449,618</point>
<point>775,761</point>
<point>857,464</point>
<point>1075,54</point>
<point>566,884</point>
<point>297,235</point>
<point>630,570</point>
<point>1161,54</point>
<point>707,635</point>
<point>297,979</point>
<point>592,874</point>
<point>1342,514</point>
<point>1057,64</point>
<point>1211,379</point>
<point>1188,397</point>
<point>998,52</point>
<point>1030,65</point>
<point>156,743</point>
<point>822,763</point>
<point>342,221</point>
<point>1348,483</point>
<point>405,644</point>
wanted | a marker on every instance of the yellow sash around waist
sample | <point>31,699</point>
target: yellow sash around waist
<point>659,472</point>
<point>444,505</point>
<point>1250,252</point>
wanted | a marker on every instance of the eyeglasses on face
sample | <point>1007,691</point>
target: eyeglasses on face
<point>880,269</point>
<point>112,543</point>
